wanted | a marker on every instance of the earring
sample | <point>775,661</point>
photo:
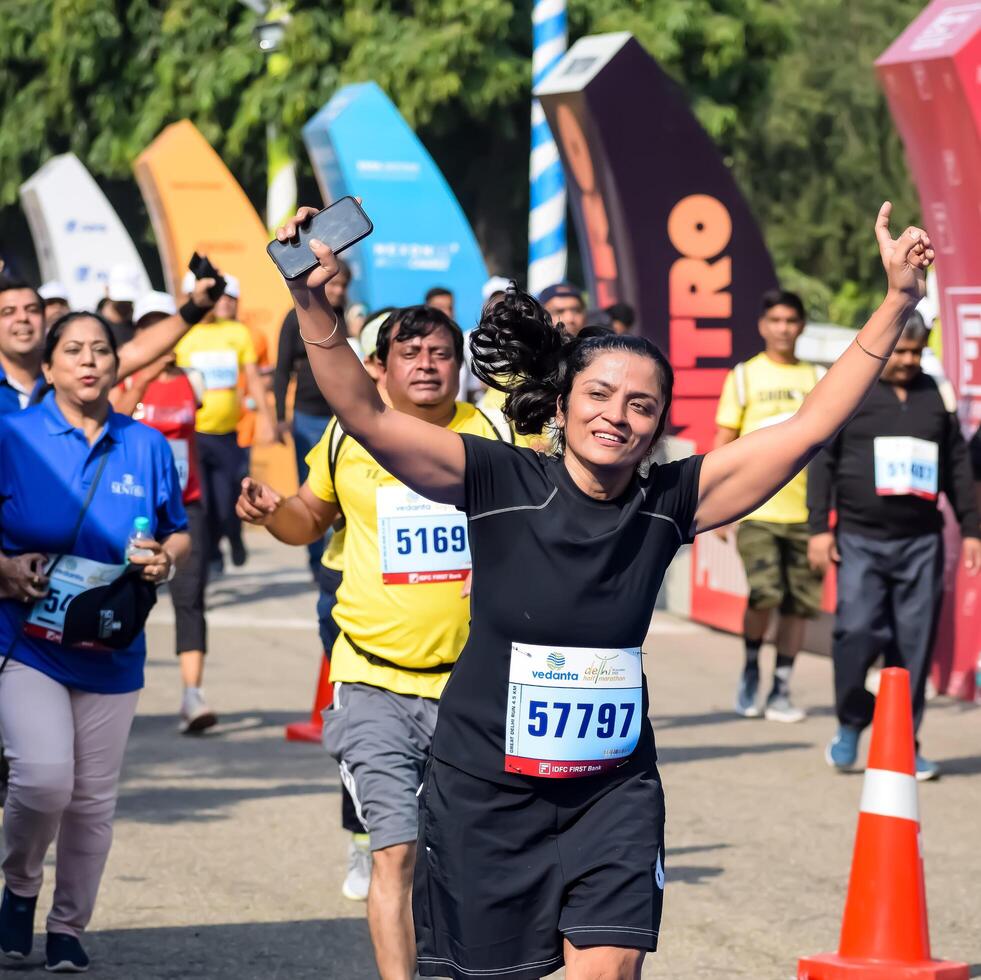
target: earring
<point>644,466</point>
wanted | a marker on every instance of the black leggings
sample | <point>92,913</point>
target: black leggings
<point>223,464</point>
<point>187,588</point>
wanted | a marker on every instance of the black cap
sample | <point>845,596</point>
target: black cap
<point>559,289</point>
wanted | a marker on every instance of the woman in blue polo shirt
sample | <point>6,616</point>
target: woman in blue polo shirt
<point>65,711</point>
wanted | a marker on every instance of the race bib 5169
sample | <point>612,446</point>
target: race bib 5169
<point>419,540</point>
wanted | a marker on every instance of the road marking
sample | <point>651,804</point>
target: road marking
<point>238,621</point>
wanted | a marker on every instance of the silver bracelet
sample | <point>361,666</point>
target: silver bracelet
<point>878,357</point>
<point>320,343</point>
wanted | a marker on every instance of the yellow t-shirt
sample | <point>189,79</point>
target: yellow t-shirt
<point>333,557</point>
<point>759,393</point>
<point>219,351</point>
<point>405,560</point>
<point>491,403</point>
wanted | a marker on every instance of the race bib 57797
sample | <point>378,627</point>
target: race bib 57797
<point>572,711</point>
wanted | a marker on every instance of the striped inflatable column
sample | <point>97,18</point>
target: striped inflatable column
<point>546,219</point>
<point>281,189</point>
<point>281,167</point>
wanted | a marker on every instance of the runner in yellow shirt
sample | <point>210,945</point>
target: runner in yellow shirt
<point>221,350</point>
<point>772,541</point>
<point>400,607</point>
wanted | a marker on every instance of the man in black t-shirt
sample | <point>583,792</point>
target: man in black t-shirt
<point>311,413</point>
<point>883,473</point>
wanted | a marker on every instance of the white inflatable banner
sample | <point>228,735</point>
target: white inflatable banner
<point>77,234</point>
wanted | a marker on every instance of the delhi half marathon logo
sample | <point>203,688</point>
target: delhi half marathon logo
<point>555,660</point>
<point>600,671</point>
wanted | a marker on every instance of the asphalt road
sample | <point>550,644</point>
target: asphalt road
<point>228,853</point>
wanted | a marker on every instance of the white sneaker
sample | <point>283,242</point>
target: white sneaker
<point>196,716</point>
<point>779,707</point>
<point>355,887</point>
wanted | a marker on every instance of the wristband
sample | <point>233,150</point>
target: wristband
<point>192,313</point>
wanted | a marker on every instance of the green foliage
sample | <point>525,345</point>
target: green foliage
<point>786,90</point>
<point>822,153</point>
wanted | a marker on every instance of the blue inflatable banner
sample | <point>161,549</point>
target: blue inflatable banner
<point>359,144</point>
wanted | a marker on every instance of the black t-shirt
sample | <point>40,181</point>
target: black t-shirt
<point>843,475</point>
<point>553,567</point>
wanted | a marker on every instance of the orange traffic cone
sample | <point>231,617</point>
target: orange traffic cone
<point>885,934</point>
<point>310,731</point>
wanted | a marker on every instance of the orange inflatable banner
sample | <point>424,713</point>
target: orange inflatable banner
<point>196,205</point>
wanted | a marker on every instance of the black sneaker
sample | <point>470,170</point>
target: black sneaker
<point>239,555</point>
<point>64,954</point>
<point>16,925</point>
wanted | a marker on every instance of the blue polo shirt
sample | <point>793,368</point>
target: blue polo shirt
<point>46,469</point>
<point>10,396</point>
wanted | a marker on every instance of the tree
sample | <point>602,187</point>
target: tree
<point>822,154</point>
<point>804,127</point>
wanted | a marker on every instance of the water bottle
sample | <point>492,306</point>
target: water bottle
<point>140,532</point>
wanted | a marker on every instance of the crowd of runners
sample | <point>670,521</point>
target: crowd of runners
<point>488,519</point>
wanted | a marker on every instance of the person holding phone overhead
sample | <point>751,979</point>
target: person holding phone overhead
<point>76,481</point>
<point>541,813</point>
<point>401,607</point>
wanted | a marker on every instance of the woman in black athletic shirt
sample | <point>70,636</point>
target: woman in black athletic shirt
<point>541,838</point>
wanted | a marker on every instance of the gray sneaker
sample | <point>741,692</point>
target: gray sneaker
<point>196,716</point>
<point>355,887</point>
<point>749,685</point>
<point>779,707</point>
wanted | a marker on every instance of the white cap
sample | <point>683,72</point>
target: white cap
<point>124,284</point>
<point>231,285</point>
<point>496,284</point>
<point>154,302</point>
<point>53,289</point>
<point>368,338</point>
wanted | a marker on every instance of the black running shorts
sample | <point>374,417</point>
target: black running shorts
<point>503,873</point>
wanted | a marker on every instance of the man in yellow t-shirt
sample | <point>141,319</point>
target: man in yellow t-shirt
<point>401,607</point>
<point>221,350</point>
<point>772,541</point>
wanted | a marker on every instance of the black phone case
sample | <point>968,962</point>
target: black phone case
<point>201,268</point>
<point>351,231</point>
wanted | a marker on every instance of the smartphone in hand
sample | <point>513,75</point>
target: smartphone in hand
<point>202,268</point>
<point>339,226</point>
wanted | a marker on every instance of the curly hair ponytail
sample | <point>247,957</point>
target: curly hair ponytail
<point>518,350</point>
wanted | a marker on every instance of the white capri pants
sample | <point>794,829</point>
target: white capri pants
<point>65,748</point>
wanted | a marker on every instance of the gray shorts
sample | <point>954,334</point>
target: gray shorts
<point>381,741</point>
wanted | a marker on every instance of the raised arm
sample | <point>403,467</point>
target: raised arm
<point>162,337</point>
<point>738,477</point>
<point>429,458</point>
